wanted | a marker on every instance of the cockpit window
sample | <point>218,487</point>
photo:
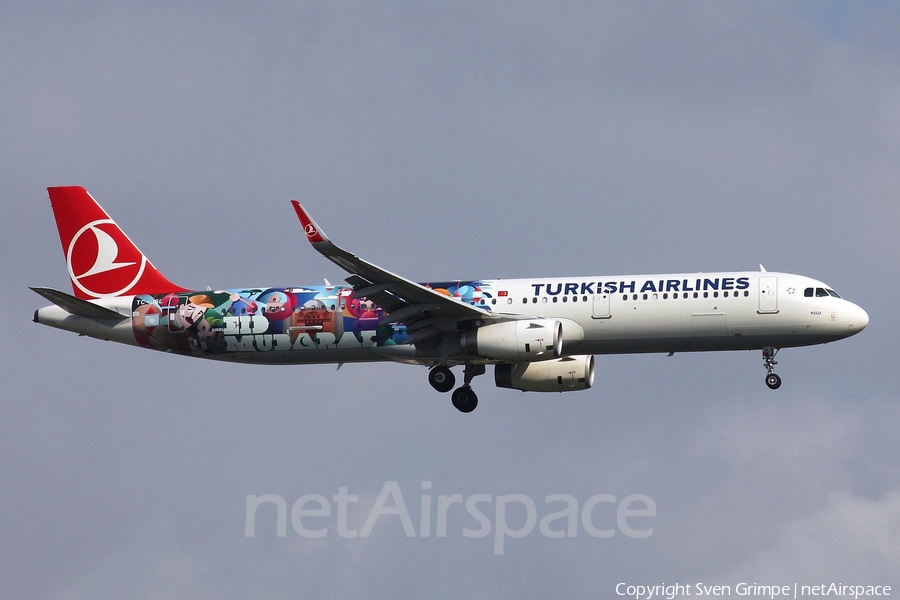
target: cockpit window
<point>819,293</point>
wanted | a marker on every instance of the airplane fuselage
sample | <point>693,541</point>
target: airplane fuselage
<point>682,312</point>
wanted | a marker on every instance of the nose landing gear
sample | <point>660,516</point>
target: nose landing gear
<point>772,380</point>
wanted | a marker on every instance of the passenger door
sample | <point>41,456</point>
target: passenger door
<point>768,295</point>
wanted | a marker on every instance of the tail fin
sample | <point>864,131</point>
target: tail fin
<point>101,260</point>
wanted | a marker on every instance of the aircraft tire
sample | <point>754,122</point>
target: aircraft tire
<point>441,379</point>
<point>773,381</point>
<point>464,399</point>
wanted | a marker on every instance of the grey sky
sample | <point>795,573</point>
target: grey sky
<point>450,140</point>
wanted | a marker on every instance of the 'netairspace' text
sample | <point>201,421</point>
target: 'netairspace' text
<point>311,514</point>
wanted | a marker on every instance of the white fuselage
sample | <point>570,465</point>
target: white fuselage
<point>683,314</point>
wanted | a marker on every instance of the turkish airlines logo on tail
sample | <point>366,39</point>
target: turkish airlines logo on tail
<point>102,261</point>
<point>310,230</point>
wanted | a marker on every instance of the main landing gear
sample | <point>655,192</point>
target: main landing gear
<point>772,380</point>
<point>441,378</point>
<point>464,399</point>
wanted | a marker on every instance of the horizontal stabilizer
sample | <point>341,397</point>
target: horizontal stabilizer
<point>77,306</point>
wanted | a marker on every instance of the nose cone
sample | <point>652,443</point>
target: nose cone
<point>857,319</point>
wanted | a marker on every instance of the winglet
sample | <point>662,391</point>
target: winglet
<point>313,233</point>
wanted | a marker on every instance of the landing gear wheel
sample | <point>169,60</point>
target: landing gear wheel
<point>441,378</point>
<point>772,380</point>
<point>464,399</point>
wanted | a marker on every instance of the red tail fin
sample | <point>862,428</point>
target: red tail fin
<point>102,261</point>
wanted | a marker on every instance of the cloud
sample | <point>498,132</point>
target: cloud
<point>142,572</point>
<point>852,539</point>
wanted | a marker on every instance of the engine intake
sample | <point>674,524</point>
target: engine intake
<point>566,374</point>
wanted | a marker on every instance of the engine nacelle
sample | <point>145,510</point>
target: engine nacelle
<point>565,374</point>
<point>519,341</point>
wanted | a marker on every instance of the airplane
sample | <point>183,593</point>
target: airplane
<point>539,334</point>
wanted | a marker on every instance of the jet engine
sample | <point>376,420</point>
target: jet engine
<point>524,340</point>
<point>565,374</point>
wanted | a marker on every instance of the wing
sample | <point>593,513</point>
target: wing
<point>425,312</point>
